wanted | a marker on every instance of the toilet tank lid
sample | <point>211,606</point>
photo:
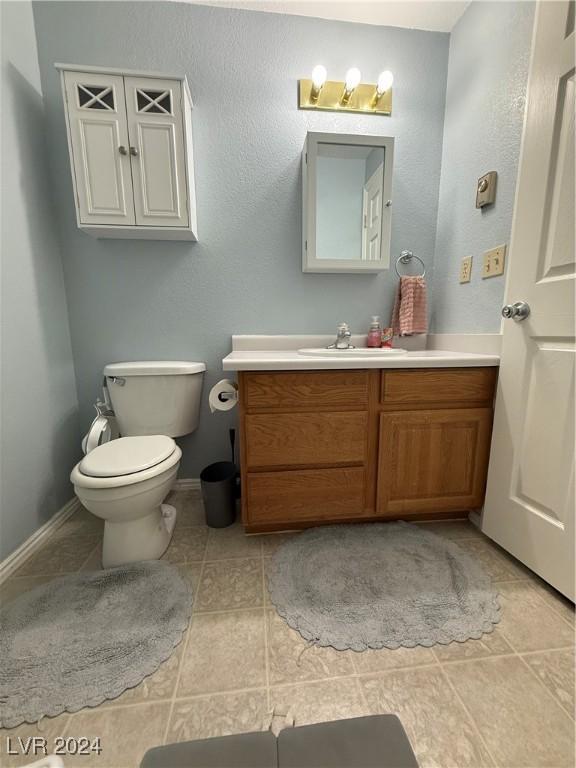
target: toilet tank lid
<point>153,368</point>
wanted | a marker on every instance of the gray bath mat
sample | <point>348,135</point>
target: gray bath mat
<point>380,586</point>
<point>87,637</point>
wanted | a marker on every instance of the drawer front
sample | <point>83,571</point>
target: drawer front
<point>312,494</point>
<point>299,439</point>
<point>443,386</point>
<point>321,390</point>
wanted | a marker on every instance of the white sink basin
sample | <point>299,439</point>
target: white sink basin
<point>352,352</point>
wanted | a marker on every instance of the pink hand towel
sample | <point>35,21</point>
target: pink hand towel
<point>410,313</point>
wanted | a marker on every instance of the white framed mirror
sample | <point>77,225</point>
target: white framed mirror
<point>346,202</point>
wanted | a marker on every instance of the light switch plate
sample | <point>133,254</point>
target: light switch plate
<point>466,269</point>
<point>494,262</point>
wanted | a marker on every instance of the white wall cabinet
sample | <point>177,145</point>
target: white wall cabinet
<point>130,142</point>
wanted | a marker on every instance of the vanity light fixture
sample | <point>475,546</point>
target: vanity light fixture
<point>350,95</point>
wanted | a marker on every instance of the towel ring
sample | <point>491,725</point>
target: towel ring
<point>405,258</point>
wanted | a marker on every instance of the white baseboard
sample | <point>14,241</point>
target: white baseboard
<point>187,484</point>
<point>37,540</point>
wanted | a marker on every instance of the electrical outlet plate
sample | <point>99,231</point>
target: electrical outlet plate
<point>494,262</point>
<point>466,269</point>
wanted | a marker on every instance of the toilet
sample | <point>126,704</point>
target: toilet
<point>131,459</point>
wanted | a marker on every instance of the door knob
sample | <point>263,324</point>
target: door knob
<point>518,311</point>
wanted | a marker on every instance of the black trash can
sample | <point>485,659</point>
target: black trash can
<point>218,482</point>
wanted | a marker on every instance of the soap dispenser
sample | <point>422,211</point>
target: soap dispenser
<point>375,333</point>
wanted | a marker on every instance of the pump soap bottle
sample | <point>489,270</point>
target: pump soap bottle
<point>375,333</point>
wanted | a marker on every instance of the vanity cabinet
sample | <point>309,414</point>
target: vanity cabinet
<point>346,445</point>
<point>130,144</point>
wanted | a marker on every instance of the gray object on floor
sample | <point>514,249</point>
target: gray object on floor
<point>362,742</point>
<point>377,741</point>
<point>380,586</point>
<point>246,750</point>
<point>87,637</point>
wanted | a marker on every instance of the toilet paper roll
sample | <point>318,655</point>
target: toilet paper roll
<point>223,395</point>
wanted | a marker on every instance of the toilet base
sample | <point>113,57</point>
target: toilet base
<point>146,538</point>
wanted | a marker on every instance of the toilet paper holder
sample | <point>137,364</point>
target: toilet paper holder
<point>224,396</point>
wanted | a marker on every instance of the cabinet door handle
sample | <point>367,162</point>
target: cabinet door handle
<point>133,151</point>
<point>122,150</point>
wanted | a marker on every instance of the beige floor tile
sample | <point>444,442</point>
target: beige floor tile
<point>13,740</point>
<point>498,564</point>
<point>188,545</point>
<point>18,585</point>
<point>225,652</point>
<point>555,669</point>
<point>189,507</point>
<point>455,529</point>
<point>81,522</point>
<point>125,733</point>
<point>291,659</point>
<point>60,555</point>
<point>527,622</point>
<point>491,644</point>
<point>554,599</point>
<point>381,660</point>
<point>94,561</point>
<point>230,584</point>
<point>232,542</point>
<point>191,573</point>
<point>520,723</point>
<point>221,714</point>
<point>271,541</point>
<point>158,686</point>
<point>318,702</point>
<point>437,725</point>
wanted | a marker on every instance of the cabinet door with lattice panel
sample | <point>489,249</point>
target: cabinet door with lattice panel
<point>156,129</point>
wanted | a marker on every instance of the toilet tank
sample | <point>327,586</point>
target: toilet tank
<point>155,397</point>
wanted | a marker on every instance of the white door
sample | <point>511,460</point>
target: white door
<point>530,496</point>
<point>156,129</point>
<point>97,117</point>
<point>372,209</point>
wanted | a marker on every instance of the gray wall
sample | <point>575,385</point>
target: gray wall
<point>138,300</point>
<point>485,97</point>
<point>40,429</point>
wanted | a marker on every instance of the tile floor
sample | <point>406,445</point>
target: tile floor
<point>506,700</point>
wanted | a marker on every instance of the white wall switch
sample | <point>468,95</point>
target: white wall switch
<point>494,262</point>
<point>466,269</point>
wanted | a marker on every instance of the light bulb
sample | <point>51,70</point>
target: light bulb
<point>319,76</point>
<point>353,77</point>
<point>385,80</point>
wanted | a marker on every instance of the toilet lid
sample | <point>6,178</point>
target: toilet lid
<point>127,455</point>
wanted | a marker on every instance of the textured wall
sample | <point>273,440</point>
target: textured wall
<point>138,300</point>
<point>39,406</point>
<point>487,71</point>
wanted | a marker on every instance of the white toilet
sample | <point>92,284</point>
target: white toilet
<point>124,480</point>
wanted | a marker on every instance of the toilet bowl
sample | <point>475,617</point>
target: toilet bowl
<point>124,480</point>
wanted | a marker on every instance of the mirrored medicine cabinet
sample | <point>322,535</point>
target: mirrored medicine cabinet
<point>347,202</point>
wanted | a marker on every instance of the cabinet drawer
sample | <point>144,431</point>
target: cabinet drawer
<point>322,390</point>
<point>312,494</point>
<point>299,439</point>
<point>443,386</point>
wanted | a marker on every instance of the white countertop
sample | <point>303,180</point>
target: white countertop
<point>290,360</point>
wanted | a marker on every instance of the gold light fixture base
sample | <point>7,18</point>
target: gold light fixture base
<point>330,98</point>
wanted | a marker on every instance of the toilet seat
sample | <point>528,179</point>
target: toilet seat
<point>127,471</point>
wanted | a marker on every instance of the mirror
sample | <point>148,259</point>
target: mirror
<point>347,206</point>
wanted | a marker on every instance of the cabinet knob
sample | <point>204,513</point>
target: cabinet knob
<point>133,151</point>
<point>122,149</point>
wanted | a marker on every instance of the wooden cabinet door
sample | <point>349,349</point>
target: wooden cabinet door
<point>156,129</point>
<point>433,461</point>
<point>96,113</point>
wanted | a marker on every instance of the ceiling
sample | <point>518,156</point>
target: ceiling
<point>434,15</point>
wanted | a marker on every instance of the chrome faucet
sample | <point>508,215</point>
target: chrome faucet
<point>343,336</point>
